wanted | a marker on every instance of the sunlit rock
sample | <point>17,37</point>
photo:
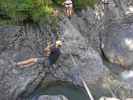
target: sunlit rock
<point>129,43</point>
<point>108,98</point>
<point>46,97</point>
<point>129,10</point>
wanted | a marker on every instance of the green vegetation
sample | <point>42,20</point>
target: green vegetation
<point>81,4</point>
<point>35,10</point>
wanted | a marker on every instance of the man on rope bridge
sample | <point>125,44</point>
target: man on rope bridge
<point>51,53</point>
<point>68,7</point>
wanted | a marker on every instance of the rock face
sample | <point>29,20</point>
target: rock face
<point>7,32</point>
<point>46,97</point>
<point>79,57</point>
<point>13,80</point>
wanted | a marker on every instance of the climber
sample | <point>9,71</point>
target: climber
<point>51,53</point>
<point>68,7</point>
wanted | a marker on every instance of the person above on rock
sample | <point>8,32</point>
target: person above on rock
<point>51,54</point>
<point>68,7</point>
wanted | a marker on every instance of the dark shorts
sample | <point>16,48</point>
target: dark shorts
<point>48,61</point>
<point>54,55</point>
<point>41,60</point>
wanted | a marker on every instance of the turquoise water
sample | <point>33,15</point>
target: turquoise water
<point>70,91</point>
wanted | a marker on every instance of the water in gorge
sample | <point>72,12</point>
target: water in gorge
<point>68,90</point>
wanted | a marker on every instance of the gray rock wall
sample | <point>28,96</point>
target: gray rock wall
<point>86,35</point>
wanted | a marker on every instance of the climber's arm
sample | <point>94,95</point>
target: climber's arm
<point>30,61</point>
<point>47,50</point>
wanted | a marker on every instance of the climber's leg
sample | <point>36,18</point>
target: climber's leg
<point>30,61</point>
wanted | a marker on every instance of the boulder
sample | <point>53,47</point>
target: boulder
<point>117,44</point>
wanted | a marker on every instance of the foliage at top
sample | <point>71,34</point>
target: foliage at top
<point>36,10</point>
<point>80,4</point>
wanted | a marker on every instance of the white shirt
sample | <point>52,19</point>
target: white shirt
<point>68,2</point>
